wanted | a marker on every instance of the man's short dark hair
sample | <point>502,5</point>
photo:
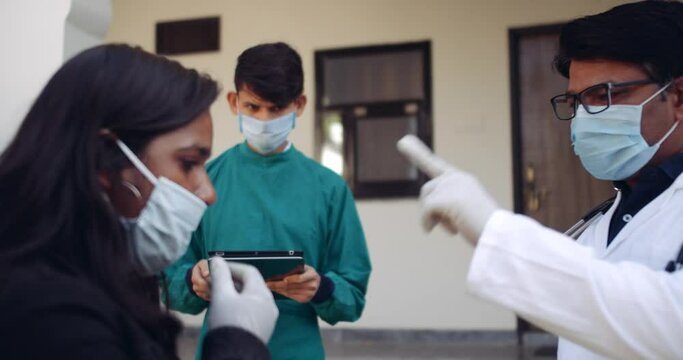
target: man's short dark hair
<point>272,71</point>
<point>647,33</point>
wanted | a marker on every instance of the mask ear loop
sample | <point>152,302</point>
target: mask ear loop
<point>136,162</point>
<point>674,126</point>
<point>661,90</point>
<point>666,136</point>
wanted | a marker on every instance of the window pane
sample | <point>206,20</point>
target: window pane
<point>372,78</point>
<point>333,141</point>
<point>378,160</point>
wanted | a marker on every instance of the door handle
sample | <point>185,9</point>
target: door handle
<point>535,196</point>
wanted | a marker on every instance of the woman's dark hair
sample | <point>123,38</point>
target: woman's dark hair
<point>648,33</point>
<point>272,71</point>
<point>53,206</point>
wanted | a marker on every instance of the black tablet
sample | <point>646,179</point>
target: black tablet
<point>273,265</point>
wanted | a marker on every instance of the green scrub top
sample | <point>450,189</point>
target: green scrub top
<point>284,201</point>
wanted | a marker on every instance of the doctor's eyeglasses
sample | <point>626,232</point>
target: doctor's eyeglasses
<point>594,99</point>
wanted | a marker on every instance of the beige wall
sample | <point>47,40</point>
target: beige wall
<point>24,67</point>
<point>62,28</point>
<point>418,279</point>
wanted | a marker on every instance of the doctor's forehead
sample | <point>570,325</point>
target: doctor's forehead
<point>586,73</point>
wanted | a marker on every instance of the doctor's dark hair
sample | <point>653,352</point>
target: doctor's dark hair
<point>272,71</point>
<point>53,206</point>
<point>647,33</point>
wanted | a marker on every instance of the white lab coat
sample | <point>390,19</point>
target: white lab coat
<point>616,301</point>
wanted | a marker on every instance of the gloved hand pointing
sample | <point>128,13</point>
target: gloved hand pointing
<point>253,309</point>
<point>457,201</point>
<point>454,198</point>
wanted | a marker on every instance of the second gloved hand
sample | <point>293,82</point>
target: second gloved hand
<point>458,201</point>
<point>253,309</point>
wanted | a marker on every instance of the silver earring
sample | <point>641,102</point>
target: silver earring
<point>132,189</point>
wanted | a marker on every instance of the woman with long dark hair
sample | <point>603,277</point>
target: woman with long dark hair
<point>99,191</point>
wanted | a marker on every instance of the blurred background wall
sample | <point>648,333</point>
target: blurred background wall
<point>36,37</point>
<point>418,279</point>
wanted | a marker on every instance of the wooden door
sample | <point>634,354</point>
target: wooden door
<point>551,186</point>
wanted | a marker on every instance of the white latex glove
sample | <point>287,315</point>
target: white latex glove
<point>454,198</point>
<point>457,201</point>
<point>253,309</point>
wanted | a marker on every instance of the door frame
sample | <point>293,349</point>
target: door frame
<point>514,37</point>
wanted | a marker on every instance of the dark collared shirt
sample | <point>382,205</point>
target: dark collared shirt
<point>652,182</point>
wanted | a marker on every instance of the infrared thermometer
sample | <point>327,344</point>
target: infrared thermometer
<point>421,156</point>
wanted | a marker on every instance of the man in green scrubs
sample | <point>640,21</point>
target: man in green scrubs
<point>273,197</point>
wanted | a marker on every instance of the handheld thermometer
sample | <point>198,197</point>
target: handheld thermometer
<point>421,156</point>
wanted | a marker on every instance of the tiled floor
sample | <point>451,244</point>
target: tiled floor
<point>374,346</point>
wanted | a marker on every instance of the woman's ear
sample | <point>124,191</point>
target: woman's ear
<point>105,180</point>
<point>677,93</point>
<point>104,177</point>
<point>107,134</point>
<point>124,196</point>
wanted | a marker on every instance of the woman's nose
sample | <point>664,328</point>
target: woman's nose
<point>207,192</point>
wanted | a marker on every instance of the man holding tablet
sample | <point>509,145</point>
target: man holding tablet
<point>271,197</point>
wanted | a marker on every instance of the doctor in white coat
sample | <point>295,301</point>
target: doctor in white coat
<point>608,294</point>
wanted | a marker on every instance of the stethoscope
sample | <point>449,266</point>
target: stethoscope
<point>592,216</point>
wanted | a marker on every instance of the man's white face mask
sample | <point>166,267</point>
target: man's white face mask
<point>266,136</point>
<point>161,233</point>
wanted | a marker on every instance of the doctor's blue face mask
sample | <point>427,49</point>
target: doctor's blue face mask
<point>266,135</point>
<point>610,144</point>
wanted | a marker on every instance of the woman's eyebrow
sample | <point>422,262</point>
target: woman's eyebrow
<point>202,150</point>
